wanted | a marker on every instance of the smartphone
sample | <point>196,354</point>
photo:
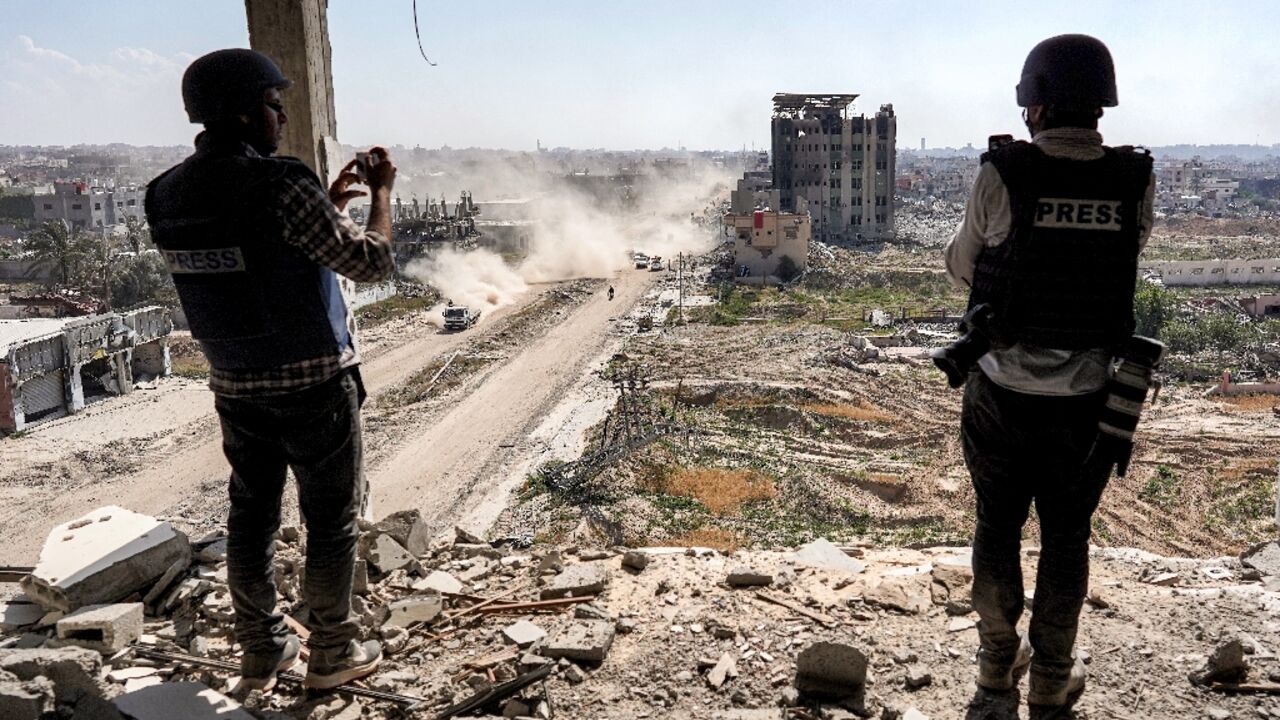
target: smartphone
<point>362,166</point>
<point>995,142</point>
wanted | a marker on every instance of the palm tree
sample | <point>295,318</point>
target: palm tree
<point>55,245</point>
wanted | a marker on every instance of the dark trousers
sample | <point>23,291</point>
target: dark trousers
<point>316,432</point>
<point>1021,449</point>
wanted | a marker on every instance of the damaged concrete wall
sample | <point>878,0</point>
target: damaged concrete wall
<point>1199,273</point>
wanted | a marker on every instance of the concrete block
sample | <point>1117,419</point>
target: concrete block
<point>743,576</point>
<point>105,628</point>
<point>403,613</point>
<point>827,670</point>
<point>187,700</point>
<point>821,554</point>
<point>103,557</point>
<point>635,559</point>
<point>589,578</point>
<point>582,640</point>
<point>407,528</point>
<point>360,578</point>
<point>26,700</point>
<point>386,554</point>
<point>72,669</point>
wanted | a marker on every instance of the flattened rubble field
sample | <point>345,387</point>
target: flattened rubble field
<point>687,633</point>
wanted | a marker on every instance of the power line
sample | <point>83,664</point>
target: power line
<point>419,35</point>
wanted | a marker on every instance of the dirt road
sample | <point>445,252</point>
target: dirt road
<point>159,451</point>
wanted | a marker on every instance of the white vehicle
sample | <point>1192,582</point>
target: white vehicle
<point>655,264</point>
<point>459,317</point>
<point>641,261</point>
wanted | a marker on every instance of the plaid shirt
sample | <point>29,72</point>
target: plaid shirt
<point>310,222</point>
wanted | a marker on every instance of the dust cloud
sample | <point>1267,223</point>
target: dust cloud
<point>576,234</point>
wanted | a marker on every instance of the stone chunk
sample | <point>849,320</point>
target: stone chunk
<point>583,640</point>
<point>589,578</point>
<point>897,595</point>
<point>408,529</point>
<point>523,633</point>
<point>108,555</point>
<point>823,555</point>
<point>187,700</point>
<point>1226,664</point>
<point>953,587</point>
<point>743,576</point>
<point>832,671</point>
<point>439,581</point>
<point>463,536</point>
<point>26,700</point>
<point>635,560</point>
<point>105,628</point>
<point>72,669</point>
<point>387,555</point>
<point>724,668</point>
<point>918,676</point>
<point>403,613</point>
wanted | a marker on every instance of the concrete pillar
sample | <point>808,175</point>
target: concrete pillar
<point>295,33</point>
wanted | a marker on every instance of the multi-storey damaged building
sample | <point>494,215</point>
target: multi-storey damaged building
<point>840,168</point>
<point>50,367</point>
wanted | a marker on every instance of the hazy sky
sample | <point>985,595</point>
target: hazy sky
<point>647,74</point>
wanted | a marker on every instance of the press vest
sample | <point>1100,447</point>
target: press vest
<point>1064,276</point>
<point>252,300</point>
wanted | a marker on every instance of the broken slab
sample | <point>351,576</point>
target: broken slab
<point>823,555</point>
<point>1226,664</point>
<point>523,633</point>
<point>403,613</point>
<point>408,529</point>
<point>743,576</point>
<point>635,560</point>
<point>831,671</point>
<point>72,669</point>
<point>187,700</point>
<point>462,536</point>
<point>589,578</point>
<point>439,581</point>
<point>583,640</point>
<point>105,628</point>
<point>16,615</point>
<point>953,587</point>
<point>387,555</point>
<point>103,557</point>
<point>1263,557</point>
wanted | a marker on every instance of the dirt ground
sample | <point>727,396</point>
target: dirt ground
<point>158,450</point>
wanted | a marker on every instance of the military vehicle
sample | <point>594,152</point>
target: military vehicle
<point>459,317</point>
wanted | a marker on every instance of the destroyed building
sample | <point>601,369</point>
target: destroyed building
<point>840,168</point>
<point>762,238</point>
<point>50,367</point>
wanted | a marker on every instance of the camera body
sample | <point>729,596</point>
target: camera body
<point>958,359</point>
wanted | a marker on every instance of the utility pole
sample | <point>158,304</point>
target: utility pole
<point>680,279</point>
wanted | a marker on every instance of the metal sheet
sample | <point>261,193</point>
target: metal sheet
<point>42,393</point>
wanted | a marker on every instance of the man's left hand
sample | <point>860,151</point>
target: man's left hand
<point>340,192</point>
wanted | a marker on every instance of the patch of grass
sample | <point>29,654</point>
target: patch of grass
<point>397,306</point>
<point>1163,488</point>
<point>712,537</point>
<point>195,367</point>
<point>849,411</point>
<point>1243,499</point>
<point>722,491</point>
<point>538,482</point>
<point>419,387</point>
<point>735,303</point>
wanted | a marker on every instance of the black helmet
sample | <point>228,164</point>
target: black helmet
<point>1068,71</point>
<point>228,82</point>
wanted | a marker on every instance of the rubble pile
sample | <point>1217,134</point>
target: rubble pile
<point>470,626</point>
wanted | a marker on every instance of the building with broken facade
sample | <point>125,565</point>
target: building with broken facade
<point>838,167</point>
<point>85,207</point>
<point>50,367</point>
<point>763,238</point>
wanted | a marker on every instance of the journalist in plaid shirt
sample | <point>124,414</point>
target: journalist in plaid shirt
<point>250,240</point>
<point>313,224</point>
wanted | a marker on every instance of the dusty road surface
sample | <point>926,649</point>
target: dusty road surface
<point>159,451</point>
<point>465,460</point>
